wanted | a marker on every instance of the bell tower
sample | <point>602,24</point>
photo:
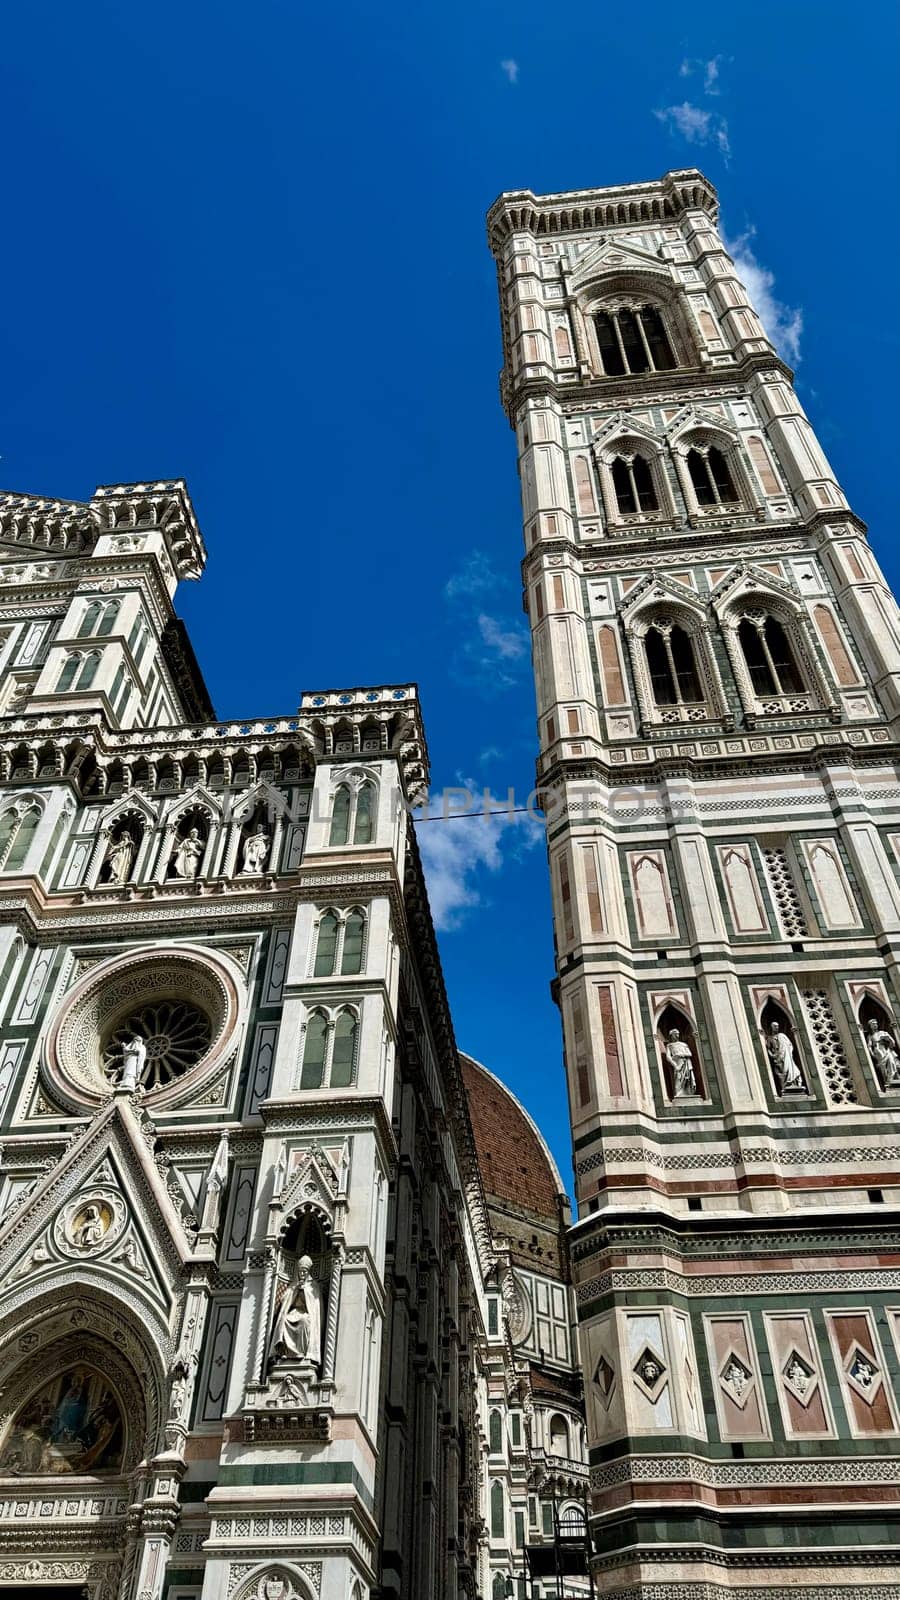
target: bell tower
<point>717,667</point>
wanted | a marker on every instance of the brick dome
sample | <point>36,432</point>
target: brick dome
<point>516,1167</point>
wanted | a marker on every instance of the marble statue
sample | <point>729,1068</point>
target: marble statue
<point>180,1374</point>
<point>864,1373</point>
<point>187,854</point>
<point>216,1179</point>
<point>91,1227</point>
<point>120,856</point>
<point>678,1055</point>
<point>256,849</point>
<point>883,1049</point>
<point>788,1076</point>
<point>736,1378</point>
<point>297,1333</point>
<point>134,1058</point>
<point>798,1376</point>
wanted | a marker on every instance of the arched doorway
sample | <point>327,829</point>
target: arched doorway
<point>81,1392</point>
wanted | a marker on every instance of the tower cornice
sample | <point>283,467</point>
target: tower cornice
<point>583,210</point>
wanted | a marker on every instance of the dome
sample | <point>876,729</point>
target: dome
<point>517,1169</point>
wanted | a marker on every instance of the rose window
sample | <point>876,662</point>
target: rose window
<point>176,1035</point>
<point>186,1005</point>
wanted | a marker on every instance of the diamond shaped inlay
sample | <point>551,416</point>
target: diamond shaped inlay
<point>735,1377</point>
<point>863,1374</point>
<point>649,1370</point>
<point>604,1377</point>
<point>799,1377</point>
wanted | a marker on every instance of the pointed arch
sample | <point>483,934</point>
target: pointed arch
<point>364,825</point>
<point>315,1044</point>
<point>343,1057</point>
<point>20,836</point>
<point>68,674</point>
<point>340,815</point>
<point>109,618</point>
<point>673,1017</point>
<point>89,666</point>
<point>326,945</point>
<point>89,619</point>
<point>353,951</point>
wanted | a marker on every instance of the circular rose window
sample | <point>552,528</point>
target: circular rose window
<point>176,1036</point>
<point>184,1004</point>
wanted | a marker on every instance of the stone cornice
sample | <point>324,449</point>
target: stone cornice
<point>596,394</point>
<point>586,210</point>
<point>746,761</point>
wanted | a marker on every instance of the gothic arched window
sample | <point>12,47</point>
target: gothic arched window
<point>633,341</point>
<point>672,665</point>
<point>354,936</point>
<point>340,816</point>
<point>69,674</point>
<point>710,477</point>
<point>17,829</point>
<point>90,619</point>
<point>108,619</point>
<point>313,1070</point>
<point>498,1518</point>
<point>326,946</point>
<point>634,486</point>
<point>329,1050</point>
<point>88,670</point>
<point>495,1433</point>
<point>353,814</point>
<point>343,1050</point>
<point>769,655</point>
<point>365,814</point>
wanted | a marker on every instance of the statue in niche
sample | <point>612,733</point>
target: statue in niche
<point>134,1059</point>
<point>297,1331</point>
<point>789,1078</point>
<point>680,1058</point>
<point>187,854</point>
<point>180,1374</point>
<point>255,852</point>
<point>120,858</point>
<point>883,1050</point>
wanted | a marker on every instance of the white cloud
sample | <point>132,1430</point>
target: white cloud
<point>783,324</point>
<point>710,69</point>
<point>475,576</point>
<point>509,643</point>
<point>491,651</point>
<point>460,854</point>
<point>511,68</point>
<point>696,125</point>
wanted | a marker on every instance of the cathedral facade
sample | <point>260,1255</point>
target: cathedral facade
<point>717,663</point>
<point>280,1317</point>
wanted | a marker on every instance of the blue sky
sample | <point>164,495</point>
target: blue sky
<point>245,244</point>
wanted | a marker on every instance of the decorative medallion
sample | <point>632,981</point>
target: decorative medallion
<point>92,1223</point>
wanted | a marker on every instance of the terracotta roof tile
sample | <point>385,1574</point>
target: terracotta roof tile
<point>513,1162</point>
